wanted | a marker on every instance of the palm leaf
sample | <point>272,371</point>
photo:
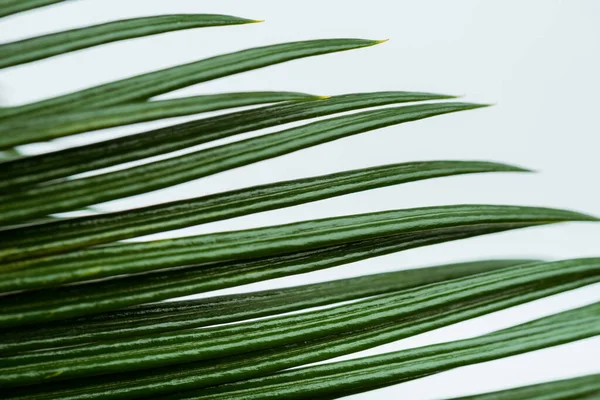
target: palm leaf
<point>71,161</point>
<point>41,47</point>
<point>9,7</point>
<point>52,127</point>
<point>152,351</point>
<point>584,387</point>
<point>356,376</point>
<point>143,87</point>
<point>245,366</point>
<point>269,241</point>
<point>78,193</point>
<point>171,316</point>
<point>62,235</point>
<point>79,308</point>
<point>96,297</point>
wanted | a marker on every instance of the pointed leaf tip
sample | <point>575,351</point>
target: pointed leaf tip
<point>50,45</point>
<point>143,86</point>
<point>452,96</point>
<point>515,168</point>
<point>481,105</point>
<point>306,96</point>
<point>581,217</point>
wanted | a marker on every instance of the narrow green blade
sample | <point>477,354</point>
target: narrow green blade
<point>44,128</point>
<point>143,87</point>
<point>76,194</point>
<point>64,235</point>
<point>261,242</point>
<point>96,297</point>
<point>41,47</point>
<point>197,375</point>
<point>63,163</point>
<point>364,374</point>
<point>9,7</point>
<point>583,387</point>
<point>164,349</point>
<point>172,316</point>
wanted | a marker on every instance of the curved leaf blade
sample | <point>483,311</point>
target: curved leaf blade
<point>145,86</point>
<point>46,46</point>
<point>60,236</point>
<point>10,7</point>
<point>194,345</point>
<point>64,163</point>
<point>172,316</point>
<point>96,297</point>
<point>251,365</point>
<point>261,242</point>
<point>368,373</point>
<point>583,387</point>
<point>36,129</point>
<point>78,193</point>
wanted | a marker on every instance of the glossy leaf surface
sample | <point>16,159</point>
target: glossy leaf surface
<point>60,236</point>
<point>78,193</point>
<point>583,387</point>
<point>14,133</point>
<point>363,374</point>
<point>194,345</point>
<point>145,86</point>
<point>96,297</point>
<point>188,376</point>
<point>74,160</point>
<point>9,7</point>
<point>41,47</point>
<point>172,316</point>
<point>261,242</point>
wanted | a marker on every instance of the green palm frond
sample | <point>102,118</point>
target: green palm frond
<point>132,258</point>
<point>74,194</point>
<point>73,233</point>
<point>172,316</point>
<point>38,48</point>
<point>324,345</point>
<point>585,387</point>
<point>60,125</point>
<point>71,161</point>
<point>159,350</point>
<point>362,374</point>
<point>9,7</point>
<point>81,311</point>
<point>94,297</point>
<point>146,86</point>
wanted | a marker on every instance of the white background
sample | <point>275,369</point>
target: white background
<point>537,60</point>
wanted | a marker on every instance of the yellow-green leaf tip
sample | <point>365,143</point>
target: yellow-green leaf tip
<point>256,21</point>
<point>323,97</point>
<point>369,42</point>
<point>481,105</point>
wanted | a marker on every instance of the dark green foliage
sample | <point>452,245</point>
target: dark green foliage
<point>585,387</point>
<point>38,48</point>
<point>81,311</point>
